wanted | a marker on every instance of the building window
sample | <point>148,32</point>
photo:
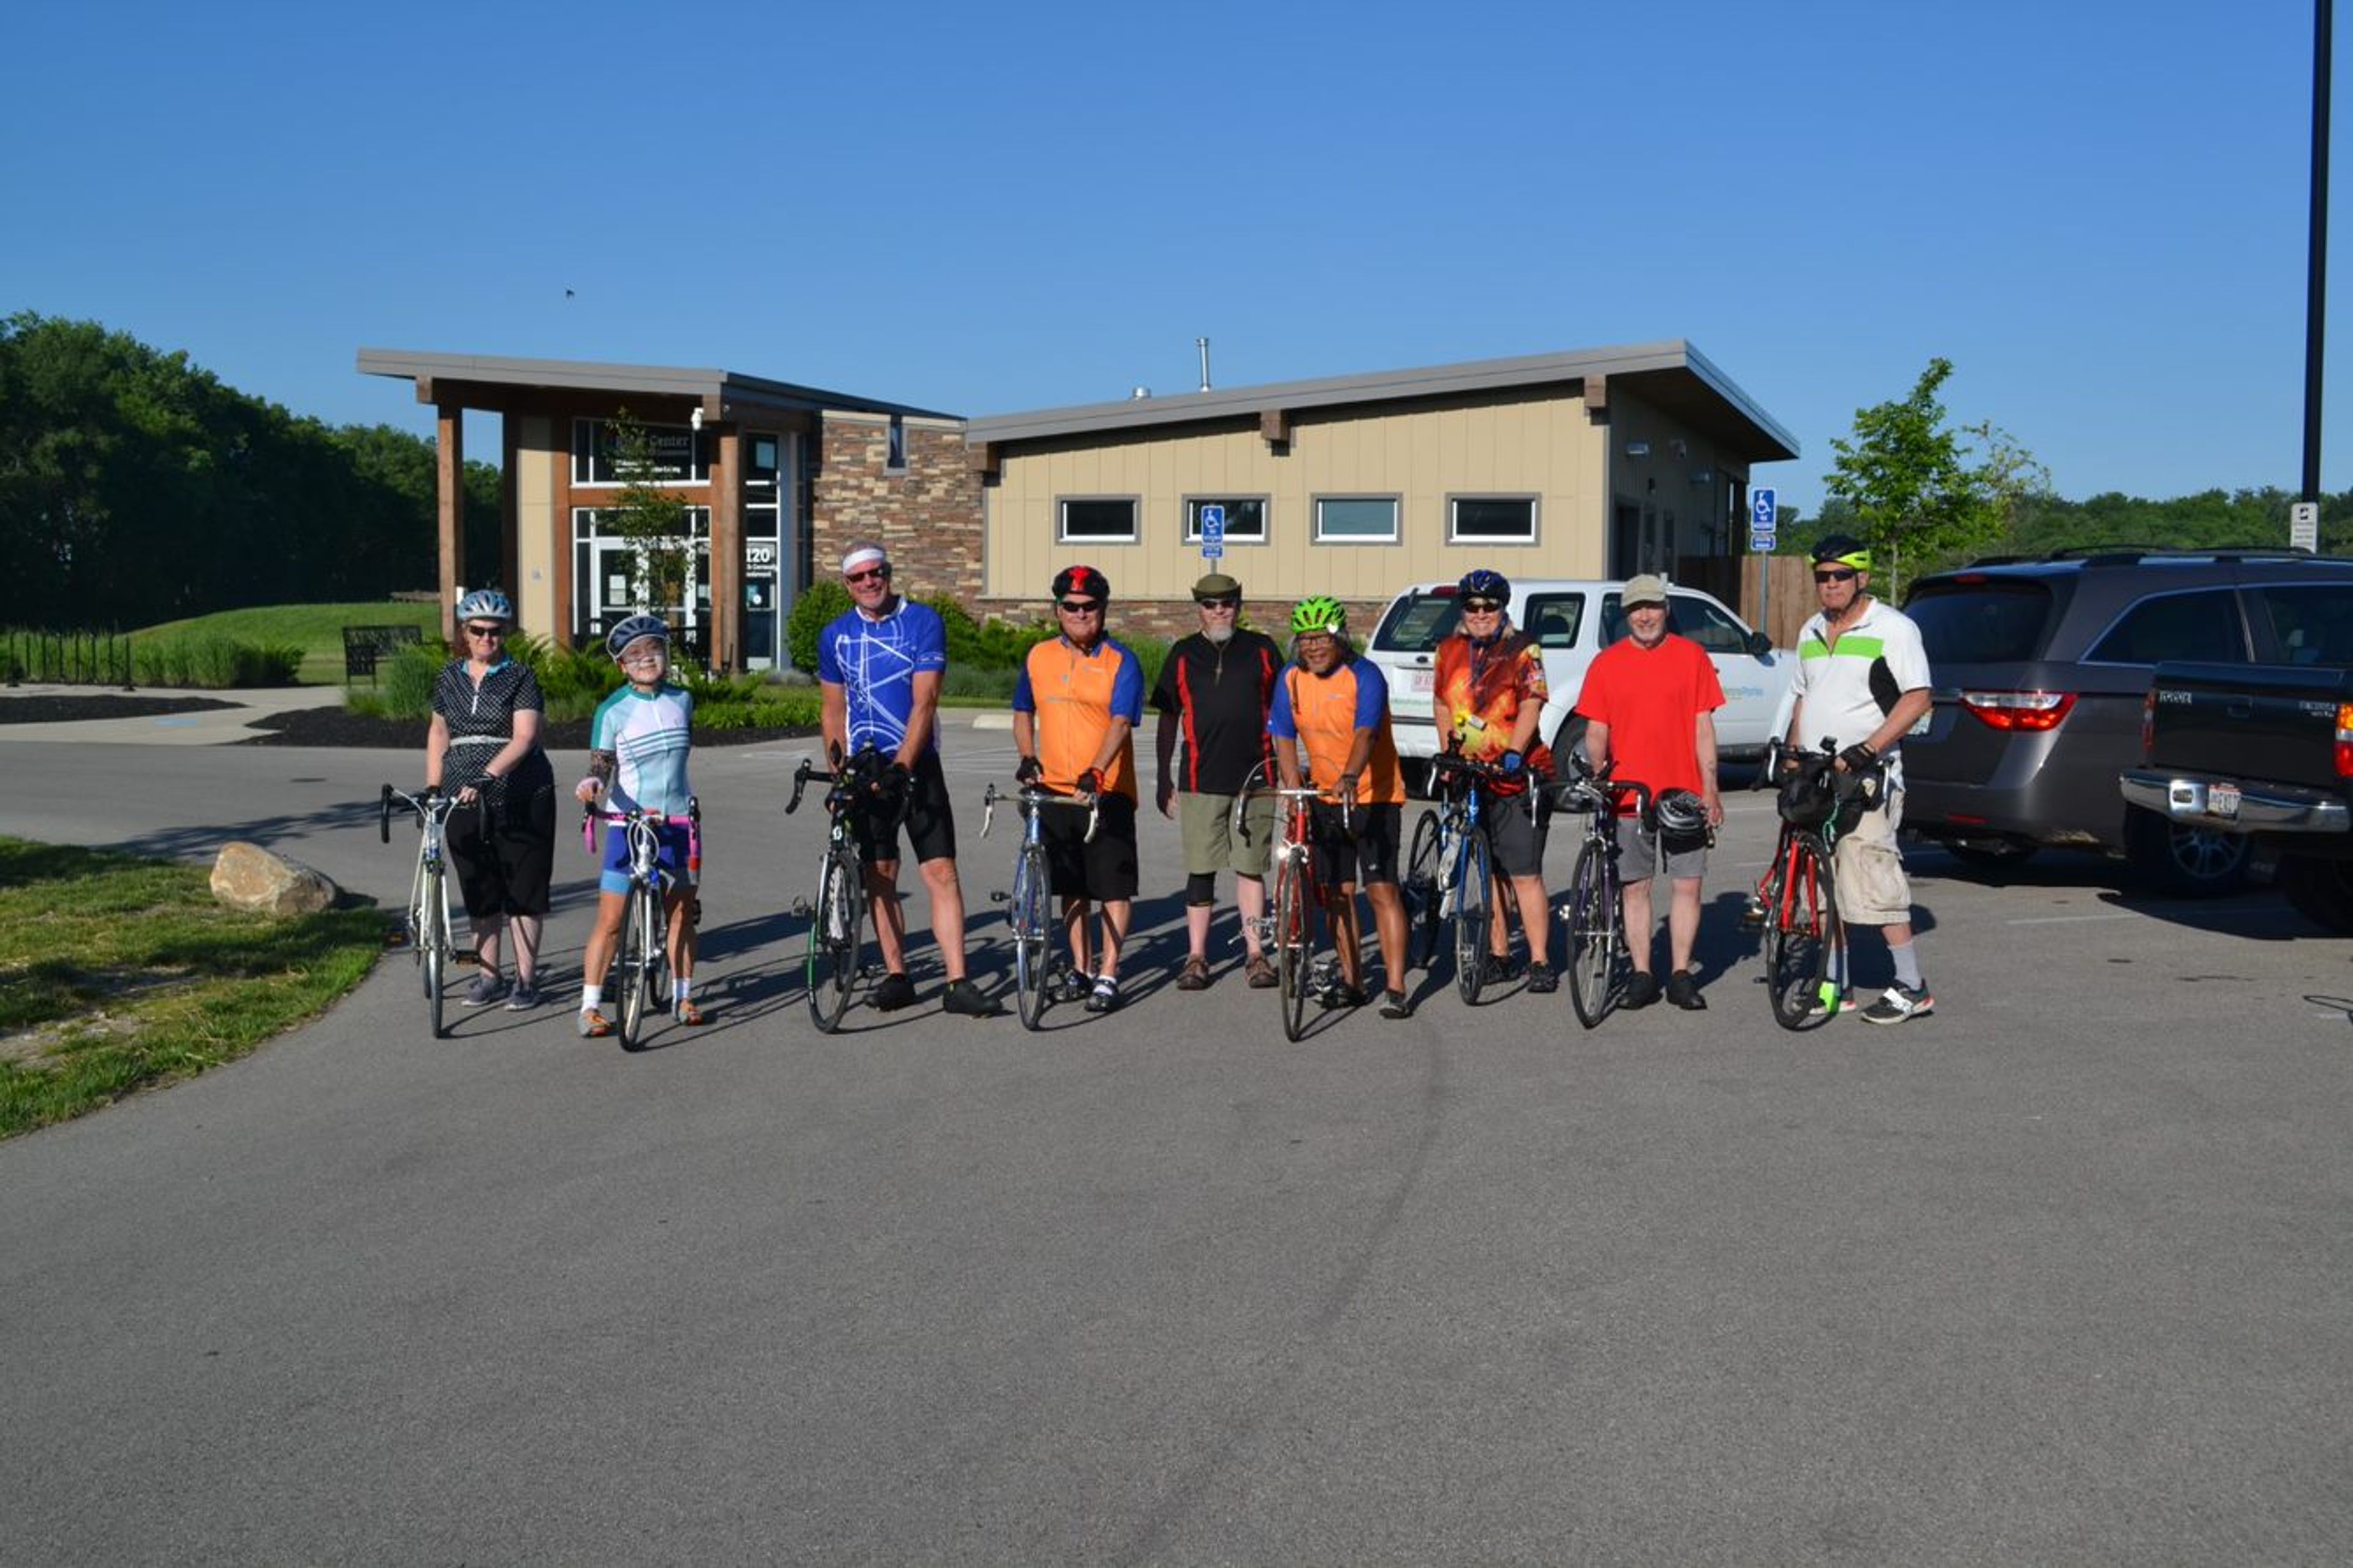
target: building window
<point>1095,519</point>
<point>1491,519</point>
<point>682,455</point>
<point>1356,520</point>
<point>894,454</point>
<point>1245,518</point>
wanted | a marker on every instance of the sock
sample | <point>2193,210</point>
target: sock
<point>1907,966</point>
<point>590,995</point>
<point>681,987</point>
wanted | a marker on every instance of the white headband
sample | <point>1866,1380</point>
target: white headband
<point>872,555</point>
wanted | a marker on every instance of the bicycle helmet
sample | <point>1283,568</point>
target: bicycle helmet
<point>486,605</point>
<point>1681,815</point>
<point>1319,614</point>
<point>634,628</point>
<point>1481,583</point>
<point>1844,549</point>
<point>1081,579</point>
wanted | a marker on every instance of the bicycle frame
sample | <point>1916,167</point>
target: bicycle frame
<point>1595,913</point>
<point>1465,879</point>
<point>1805,938</point>
<point>427,923</point>
<point>1027,905</point>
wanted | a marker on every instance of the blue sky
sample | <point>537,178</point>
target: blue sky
<point>2095,209</point>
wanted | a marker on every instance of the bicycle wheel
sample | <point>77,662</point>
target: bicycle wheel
<point>1293,950</point>
<point>1032,933</point>
<point>1421,901</point>
<point>833,940</point>
<point>636,966</point>
<point>1593,920</point>
<point>431,922</point>
<point>1804,940</point>
<point>1470,917</point>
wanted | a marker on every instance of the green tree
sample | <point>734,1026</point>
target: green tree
<point>652,517</point>
<point>1919,493</point>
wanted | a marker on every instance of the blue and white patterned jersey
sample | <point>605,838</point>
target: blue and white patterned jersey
<point>647,733</point>
<point>875,663</point>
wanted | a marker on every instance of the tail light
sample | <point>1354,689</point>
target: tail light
<point>2148,723</point>
<point>2018,710</point>
<point>2345,739</point>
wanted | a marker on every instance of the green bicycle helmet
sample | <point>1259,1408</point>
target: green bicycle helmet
<point>1320,614</point>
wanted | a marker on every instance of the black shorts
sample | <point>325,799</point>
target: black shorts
<point>1516,827</point>
<point>1365,852</point>
<point>504,855</point>
<point>1102,869</point>
<point>931,820</point>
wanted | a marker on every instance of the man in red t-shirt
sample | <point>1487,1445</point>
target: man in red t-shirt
<point>1649,702</point>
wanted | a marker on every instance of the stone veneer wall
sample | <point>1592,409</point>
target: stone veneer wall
<point>1169,619</point>
<point>928,518</point>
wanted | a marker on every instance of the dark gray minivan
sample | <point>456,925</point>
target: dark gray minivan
<point>2040,667</point>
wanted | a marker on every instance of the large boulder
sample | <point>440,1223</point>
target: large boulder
<point>248,877</point>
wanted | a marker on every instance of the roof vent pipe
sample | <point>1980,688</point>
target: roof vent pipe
<point>1203,345</point>
<point>1140,393</point>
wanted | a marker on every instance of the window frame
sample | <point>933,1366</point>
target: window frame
<point>701,445</point>
<point>1062,534</point>
<point>1396,500</point>
<point>1534,502</point>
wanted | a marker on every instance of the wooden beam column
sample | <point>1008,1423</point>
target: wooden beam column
<point>725,652</point>
<point>511,522</point>
<point>449,461</point>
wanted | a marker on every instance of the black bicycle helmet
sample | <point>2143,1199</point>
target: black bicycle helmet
<point>1681,814</point>
<point>1843,549</point>
<point>1081,579</point>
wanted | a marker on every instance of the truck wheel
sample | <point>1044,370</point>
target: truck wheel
<point>1564,740</point>
<point>2183,861</point>
<point>2320,891</point>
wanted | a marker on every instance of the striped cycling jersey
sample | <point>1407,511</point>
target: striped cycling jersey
<point>647,732</point>
<point>1847,690</point>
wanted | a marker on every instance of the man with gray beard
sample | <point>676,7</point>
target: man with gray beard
<point>1216,686</point>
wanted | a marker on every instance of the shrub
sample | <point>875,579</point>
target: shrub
<point>405,683</point>
<point>214,661</point>
<point>811,613</point>
<point>777,708</point>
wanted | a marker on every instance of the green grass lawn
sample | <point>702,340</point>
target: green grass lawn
<point>118,972</point>
<point>317,629</point>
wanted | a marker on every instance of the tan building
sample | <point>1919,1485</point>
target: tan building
<point>1600,463</point>
<point>773,475</point>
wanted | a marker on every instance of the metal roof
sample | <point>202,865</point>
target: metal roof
<point>724,393</point>
<point>1673,374</point>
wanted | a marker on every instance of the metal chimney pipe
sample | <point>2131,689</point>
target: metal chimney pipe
<point>1203,345</point>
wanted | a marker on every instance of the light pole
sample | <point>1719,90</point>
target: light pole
<point>2315,309</point>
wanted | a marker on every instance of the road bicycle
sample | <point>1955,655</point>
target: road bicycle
<point>426,926</point>
<point>1287,929</point>
<point>645,968</point>
<point>1595,911</point>
<point>1448,876</point>
<point>837,919</point>
<point>1805,941</point>
<point>1029,906</point>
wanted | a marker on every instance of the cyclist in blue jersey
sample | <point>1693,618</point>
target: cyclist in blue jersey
<point>878,665</point>
<point>638,748</point>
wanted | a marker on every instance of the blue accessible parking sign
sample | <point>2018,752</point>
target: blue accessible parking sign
<point>1213,531</point>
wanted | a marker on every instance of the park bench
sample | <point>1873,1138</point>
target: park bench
<point>363,645</point>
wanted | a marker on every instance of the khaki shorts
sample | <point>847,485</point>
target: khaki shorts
<point>1210,845</point>
<point>1872,888</point>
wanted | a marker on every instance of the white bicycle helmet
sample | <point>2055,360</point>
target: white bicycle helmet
<point>486,605</point>
<point>1681,814</point>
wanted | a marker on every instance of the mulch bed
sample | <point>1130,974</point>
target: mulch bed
<point>341,727</point>
<point>96,705</point>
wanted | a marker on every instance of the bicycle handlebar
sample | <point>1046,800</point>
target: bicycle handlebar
<point>1033,796</point>
<point>432,803</point>
<point>691,820</point>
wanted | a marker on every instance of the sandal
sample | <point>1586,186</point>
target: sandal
<point>1260,974</point>
<point>688,1014</point>
<point>1195,975</point>
<point>594,1025</point>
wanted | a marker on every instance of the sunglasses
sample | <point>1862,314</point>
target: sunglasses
<point>872,574</point>
<point>1482,606</point>
<point>1843,574</point>
<point>1081,607</point>
<point>1219,604</point>
<point>486,631</point>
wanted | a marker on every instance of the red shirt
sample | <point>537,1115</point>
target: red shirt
<point>1652,699</point>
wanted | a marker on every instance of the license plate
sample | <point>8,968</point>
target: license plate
<point>2222,800</point>
<point>1424,682</point>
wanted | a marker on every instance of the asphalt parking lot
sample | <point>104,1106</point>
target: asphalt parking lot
<point>2059,1274</point>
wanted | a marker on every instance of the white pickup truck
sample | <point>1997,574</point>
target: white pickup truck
<point>1572,621</point>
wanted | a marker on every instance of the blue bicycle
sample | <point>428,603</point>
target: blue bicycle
<point>1448,877</point>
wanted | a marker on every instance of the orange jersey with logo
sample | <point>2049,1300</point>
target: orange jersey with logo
<point>1074,696</point>
<point>1323,713</point>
